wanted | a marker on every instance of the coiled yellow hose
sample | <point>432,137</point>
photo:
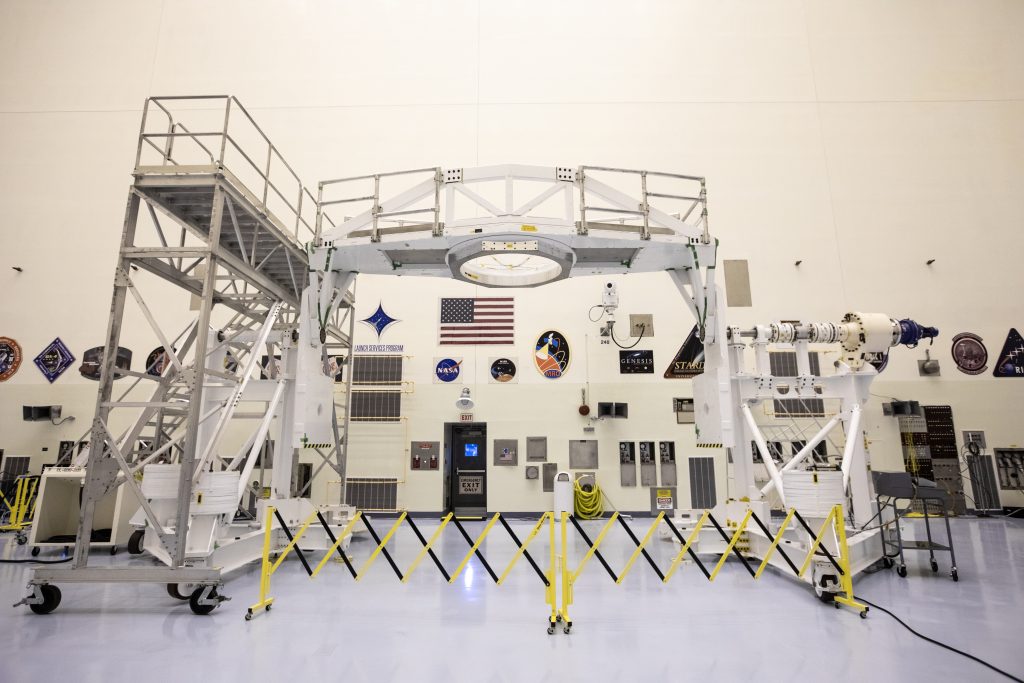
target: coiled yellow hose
<point>588,504</point>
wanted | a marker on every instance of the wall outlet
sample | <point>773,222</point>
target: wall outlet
<point>641,324</point>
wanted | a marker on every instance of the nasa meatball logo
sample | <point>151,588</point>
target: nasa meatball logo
<point>552,354</point>
<point>447,369</point>
<point>969,353</point>
<point>503,370</point>
<point>10,358</point>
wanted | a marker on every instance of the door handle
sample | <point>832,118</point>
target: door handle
<point>470,471</point>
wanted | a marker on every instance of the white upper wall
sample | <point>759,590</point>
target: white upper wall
<point>861,138</point>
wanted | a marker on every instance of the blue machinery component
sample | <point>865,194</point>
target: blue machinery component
<point>912,332</point>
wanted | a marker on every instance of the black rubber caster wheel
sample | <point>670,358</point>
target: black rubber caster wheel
<point>558,618</point>
<point>887,562</point>
<point>193,602</point>
<point>551,630</point>
<point>35,552</point>
<point>902,571</point>
<point>22,539</point>
<point>935,566</point>
<point>174,590</point>
<point>864,614</point>
<point>834,603</point>
<point>267,608</point>
<point>248,615</point>
<point>135,542</point>
<point>952,572</point>
<point>51,598</point>
<point>113,550</point>
<point>567,630</point>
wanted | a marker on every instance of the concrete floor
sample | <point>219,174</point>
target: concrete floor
<point>380,630</point>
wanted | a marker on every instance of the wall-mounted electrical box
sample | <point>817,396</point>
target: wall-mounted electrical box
<point>424,455</point>
<point>667,456</point>
<point>648,467</point>
<point>532,472</point>
<point>627,463</point>
<point>641,325</point>
<point>506,452</point>
<point>547,476</point>
<point>536,449</point>
<point>582,454</point>
<point>683,408</point>
<point>618,410</point>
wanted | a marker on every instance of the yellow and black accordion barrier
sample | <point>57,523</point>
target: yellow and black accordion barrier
<point>559,574</point>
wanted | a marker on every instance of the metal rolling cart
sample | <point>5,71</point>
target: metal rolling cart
<point>890,488</point>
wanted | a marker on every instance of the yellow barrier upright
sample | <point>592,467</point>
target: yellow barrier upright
<point>20,511</point>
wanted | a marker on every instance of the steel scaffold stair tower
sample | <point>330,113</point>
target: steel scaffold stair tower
<point>219,239</point>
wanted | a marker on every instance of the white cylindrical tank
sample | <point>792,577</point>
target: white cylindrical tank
<point>563,494</point>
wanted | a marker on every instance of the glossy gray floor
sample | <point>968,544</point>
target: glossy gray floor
<point>381,630</point>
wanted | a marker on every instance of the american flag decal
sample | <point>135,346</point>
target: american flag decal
<point>478,320</point>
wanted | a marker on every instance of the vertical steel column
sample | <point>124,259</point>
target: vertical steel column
<point>199,367</point>
<point>98,473</point>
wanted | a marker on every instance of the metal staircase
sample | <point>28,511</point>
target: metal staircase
<point>228,235</point>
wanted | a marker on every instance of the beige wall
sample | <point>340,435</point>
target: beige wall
<point>861,138</point>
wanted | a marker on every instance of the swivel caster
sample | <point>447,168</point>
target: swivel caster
<point>952,572</point>
<point>568,628</point>
<point>864,614</point>
<point>51,598</point>
<point>248,615</point>
<point>113,550</point>
<point>135,542</point>
<point>902,571</point>
<point>834,603</point>
<point>35,552</point>
<point>173,590</point>
<point>21,538</point>
<point>935,566</point>
<point>197,607</point>
<point>558,618</point>
<point>551,630</point>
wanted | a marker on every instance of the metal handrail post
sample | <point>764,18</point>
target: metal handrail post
<point>319,211</point>
<point>375,231</point>
<point>582,230</point>
<point>437,203</point>
<point>142,132</point>
<point>224,138</point>
<point>645,207</point>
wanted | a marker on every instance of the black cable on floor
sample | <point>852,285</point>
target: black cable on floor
<point>935,642</point>
<point>66,559</point>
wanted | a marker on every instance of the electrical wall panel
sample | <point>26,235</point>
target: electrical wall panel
<point>1010,464</point>
<point>978,437</point>
<point>582,454</point>
<point>506,452</point>
<point>536,449</point>
<point>663,499</point>
<point>532,472</point>
<point>424,455</point>
<point>948,478</point>
<point>627,463</point>
<point>667,456</point>
<point>683,408</point>
<point>702,483</point>
<point>648,466</point>
<point>547,476</point>
<point>983,483</point>
<point>916,452</point>
<point>941,433</point>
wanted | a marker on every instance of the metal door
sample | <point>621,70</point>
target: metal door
<point>469,469</point>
